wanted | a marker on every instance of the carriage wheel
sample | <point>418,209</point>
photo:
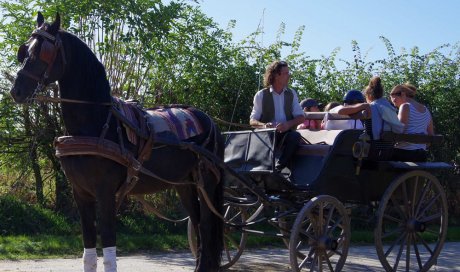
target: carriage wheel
<point>412,222</point>
<point>321,234</point>
<point>234,238</point>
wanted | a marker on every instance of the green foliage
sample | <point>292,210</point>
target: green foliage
<point>169,53</point>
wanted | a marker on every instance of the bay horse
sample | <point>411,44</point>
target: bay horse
<point>99,160</point>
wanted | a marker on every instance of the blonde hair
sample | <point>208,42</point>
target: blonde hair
<point>411,91</point>
<point>407,88</point>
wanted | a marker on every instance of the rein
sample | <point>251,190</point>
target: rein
<point>42,98</point>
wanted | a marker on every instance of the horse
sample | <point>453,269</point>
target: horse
<point>101,161</point>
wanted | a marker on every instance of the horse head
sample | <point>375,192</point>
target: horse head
<point>42,58</point>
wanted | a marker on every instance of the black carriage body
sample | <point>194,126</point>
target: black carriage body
<point>324,165</point>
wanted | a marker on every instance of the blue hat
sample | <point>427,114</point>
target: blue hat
<point>353,97</point>
<point>308,103</point>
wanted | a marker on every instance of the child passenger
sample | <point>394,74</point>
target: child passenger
<point>310,105</point>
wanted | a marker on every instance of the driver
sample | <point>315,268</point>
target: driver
<point>277,106</point>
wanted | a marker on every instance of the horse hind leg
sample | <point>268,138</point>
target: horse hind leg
<point>188,195</point>
<point>211,225</point>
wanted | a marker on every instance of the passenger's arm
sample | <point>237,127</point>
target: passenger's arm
<point>430,128</point>
<point>352,109</point>
<point>403,114</point>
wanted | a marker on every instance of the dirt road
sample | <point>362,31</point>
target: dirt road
<point>360,259</point>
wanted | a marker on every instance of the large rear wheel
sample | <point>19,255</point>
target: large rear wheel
<point>412,223</point>
<point>320,237</point>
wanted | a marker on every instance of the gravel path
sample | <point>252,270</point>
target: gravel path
<point>360,259</point>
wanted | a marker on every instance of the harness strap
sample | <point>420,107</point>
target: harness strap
<point>155,211</point>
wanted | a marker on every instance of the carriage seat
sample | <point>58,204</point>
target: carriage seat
<point>316,142</point>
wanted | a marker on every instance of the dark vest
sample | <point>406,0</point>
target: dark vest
<point>268,106</point>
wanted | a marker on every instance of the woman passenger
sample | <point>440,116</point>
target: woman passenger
<point>382,114</point>
<point>417,120</point>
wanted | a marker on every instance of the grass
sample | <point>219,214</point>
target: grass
<point>22,228</point>
<point>58,246</point>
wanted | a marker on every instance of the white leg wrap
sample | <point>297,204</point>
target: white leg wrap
<point>89,260</point>
<point>110,259</point>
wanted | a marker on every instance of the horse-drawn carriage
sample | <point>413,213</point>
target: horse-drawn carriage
<point>333,178</point>
<point>309,207</point>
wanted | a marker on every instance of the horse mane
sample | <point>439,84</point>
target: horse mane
<point>84,66</point>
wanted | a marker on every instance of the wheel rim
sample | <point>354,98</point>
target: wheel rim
<point>321,233</point>
<point>412,223</point>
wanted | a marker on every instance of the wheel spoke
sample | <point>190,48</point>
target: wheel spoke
<point>398,257</point>
<point>422,196</point>
<point>397,207</point>
<point>408,252</point>
<point>431,218</point>
<point>403,235</point>
<point>388,234</point>
<point>329,264</point>
<point>425,244</point>
<point>391,218</point>
<point>405,199</point>
<point>336,224</point>
<point>417,253</point>
<point>414,195</point>
<point>432,201</point>
<point>308,233</point>
<point>227,210</point>
<point>309,260</point>
<point>306,259</point>
<point>320,219</point>
<point>329,218</point>
<point>236,216</point>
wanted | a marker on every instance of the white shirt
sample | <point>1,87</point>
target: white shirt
<point>278,101</point>
<point>341,124</point>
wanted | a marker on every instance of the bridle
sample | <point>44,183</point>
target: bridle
<point>49,50</point>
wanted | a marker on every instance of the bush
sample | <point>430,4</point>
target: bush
<point>18,218</point>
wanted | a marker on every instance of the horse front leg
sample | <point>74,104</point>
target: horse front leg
<point>86,206</point>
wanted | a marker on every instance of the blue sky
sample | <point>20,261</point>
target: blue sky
<point>335,23</point>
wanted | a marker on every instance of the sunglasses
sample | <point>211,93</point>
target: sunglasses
<point>396,94</point>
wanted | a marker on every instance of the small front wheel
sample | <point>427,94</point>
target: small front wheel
<point>320,237</point>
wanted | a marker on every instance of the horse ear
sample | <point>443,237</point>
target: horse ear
<point>54,27</point>
<point>40,19</point>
